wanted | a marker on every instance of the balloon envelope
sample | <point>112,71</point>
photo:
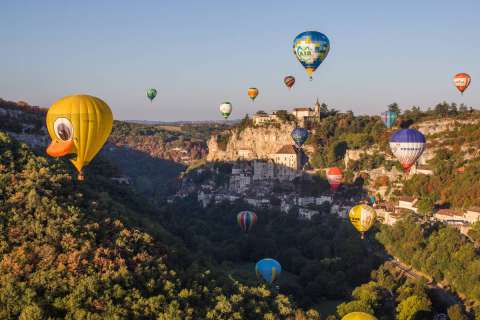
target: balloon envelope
<point>407,146</point>
<point>389,118</point>
<point>311,48</point>
<point>334,177</point>
<point>78,124</point>
<point>246,220</point>
<point>226,109</point>
<point>252,93</point>
<point>299,136</point>
<point>362,217</point>
<point>289,81</point>
<point>462,81</point>
<point>151,93</point>
<point>359,316</point>
<point>268,269</point>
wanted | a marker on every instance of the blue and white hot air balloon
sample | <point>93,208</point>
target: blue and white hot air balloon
<point>299,135</point>
<point>268,269</point>
<point>311,48</point>
<point>389,118</point>
<point>407,146</point>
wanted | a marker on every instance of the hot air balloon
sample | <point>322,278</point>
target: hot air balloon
<point>226,109</point>
<point>362,217</point>
<point>151,93</point>
<point>299,136</point>
<point>407,146</point>
<point>334,177</point>
<point>359,316</point>
<point>246,220</point>
<point>462,81</point>
<point>311,48</point>
<point>289,81</point>
<point>268,269</point>
<point>389,118</point>
<point>371,200</point>
<point>80,125</point>
<point>252,93</point>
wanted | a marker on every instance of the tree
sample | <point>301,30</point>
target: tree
<point>425,206</point>
<point>394,108</point>
<point>414,308</point>
<point>352,306</point>
<point>456,312</point>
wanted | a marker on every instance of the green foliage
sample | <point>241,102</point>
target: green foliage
<point>414,307</point>
<point>77,251</point>
<point>439,251</point>
<point>455,312</point>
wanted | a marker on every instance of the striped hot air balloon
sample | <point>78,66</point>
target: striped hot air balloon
<point>407,146</point>
<point>246,220</point>
<point>252,93</point>
<point>389,118</point>
<point>268,269</point>
<point>462,81</point>
<point>289,81</point>
<point>334,177</point>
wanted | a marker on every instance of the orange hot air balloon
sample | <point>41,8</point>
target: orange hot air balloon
<point>334,177</point>
<point>462,81</point>
<point>252,93</point>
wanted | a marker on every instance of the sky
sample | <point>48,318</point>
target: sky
<point>201,53</point>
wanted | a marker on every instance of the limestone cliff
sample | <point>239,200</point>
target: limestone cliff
<point>253,142</point>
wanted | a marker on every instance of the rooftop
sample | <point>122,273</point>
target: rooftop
<point>407,199</point>
<point>287,149</point>
<point>302,109</point>
<point>474,209</point>
<point>449,212</point>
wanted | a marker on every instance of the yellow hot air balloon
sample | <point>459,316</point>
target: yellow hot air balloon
<point>359,316</point>
<point>362,217</point>
<point>78,124</point>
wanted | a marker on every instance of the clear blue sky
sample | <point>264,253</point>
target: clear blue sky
<point>200,53</point>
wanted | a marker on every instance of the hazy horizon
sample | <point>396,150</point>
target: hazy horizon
<point>200,54</point>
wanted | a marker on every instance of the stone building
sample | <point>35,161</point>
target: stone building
<point>287,162</point>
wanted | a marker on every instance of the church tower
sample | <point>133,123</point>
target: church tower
<point>317,108</point>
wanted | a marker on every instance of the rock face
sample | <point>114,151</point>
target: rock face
<point>256,142</point>
<point>437,126</point>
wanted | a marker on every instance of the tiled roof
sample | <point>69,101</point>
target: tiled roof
<point>406,199</point>
<point>449,212</point>
<point>474,209</point>
<point>303,109</point>
<point>287,149</point>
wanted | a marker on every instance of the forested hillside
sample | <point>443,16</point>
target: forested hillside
<point>91,252</point>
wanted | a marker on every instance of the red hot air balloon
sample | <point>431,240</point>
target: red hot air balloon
<point>289,81</point>
<point>334,177</point>
<point>462,81</point>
